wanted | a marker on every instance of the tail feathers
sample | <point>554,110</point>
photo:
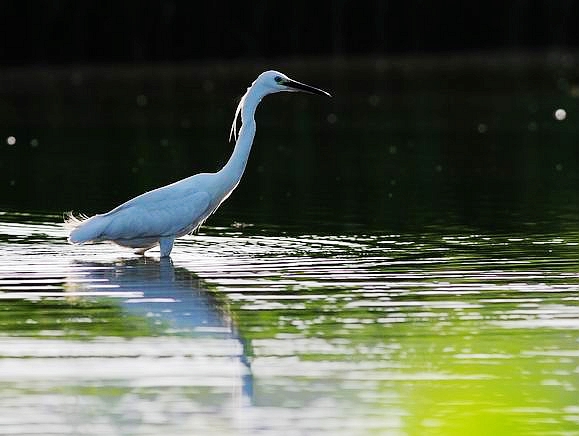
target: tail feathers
<point>84,229</point>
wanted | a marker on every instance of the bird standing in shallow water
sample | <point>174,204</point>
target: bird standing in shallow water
<point>163,214</point>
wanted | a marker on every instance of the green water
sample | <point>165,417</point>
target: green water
<point>401,259</point>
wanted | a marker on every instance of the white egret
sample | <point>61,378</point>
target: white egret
<point>163,214</point>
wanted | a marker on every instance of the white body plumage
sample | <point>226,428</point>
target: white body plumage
<point>163,214</point>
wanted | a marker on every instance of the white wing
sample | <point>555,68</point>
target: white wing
<point>175,209</point>
<point>169,216</point>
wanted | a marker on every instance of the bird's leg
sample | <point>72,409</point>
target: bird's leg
<point>166,245</point>
<point>141,251</point>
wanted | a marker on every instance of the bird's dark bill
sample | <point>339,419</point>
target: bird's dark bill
<point>306,88</point>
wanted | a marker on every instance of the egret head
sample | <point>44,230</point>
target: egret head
<point>274,81</point>
<point>266,83</point>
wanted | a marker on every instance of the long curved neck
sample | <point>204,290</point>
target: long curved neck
<point>235,166</point>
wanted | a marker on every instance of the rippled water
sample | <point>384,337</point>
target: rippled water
<point>402,258</point>
<point>255,330</point>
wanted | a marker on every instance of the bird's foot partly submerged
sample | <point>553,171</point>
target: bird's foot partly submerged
<point>166,245</point>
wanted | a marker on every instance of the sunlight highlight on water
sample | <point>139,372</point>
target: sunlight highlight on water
<point>251,332</point>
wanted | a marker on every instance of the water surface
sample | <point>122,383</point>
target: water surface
<point>250,331</point>
<point>401,259</point>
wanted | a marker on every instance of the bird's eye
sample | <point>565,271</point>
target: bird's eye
<point>277,79</point>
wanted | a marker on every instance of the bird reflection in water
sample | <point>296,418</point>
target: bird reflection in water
<point>176,299</point>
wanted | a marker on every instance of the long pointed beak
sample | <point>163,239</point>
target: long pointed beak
<point>298,86</point>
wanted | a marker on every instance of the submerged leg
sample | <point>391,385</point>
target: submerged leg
<point>166,245</point>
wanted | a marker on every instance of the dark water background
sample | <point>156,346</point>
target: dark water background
<point>403,143</point>
<point>399,259</point>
